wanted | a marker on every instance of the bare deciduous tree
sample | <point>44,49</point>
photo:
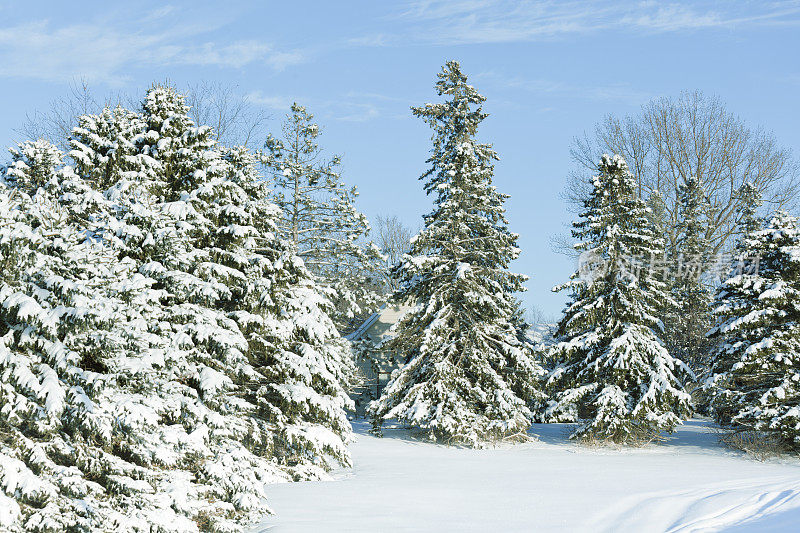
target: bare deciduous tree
<point>56,123</point>
<point>534,316</point>
<point>673,139</point>
<point>392,237</point>
<point>234,119</point>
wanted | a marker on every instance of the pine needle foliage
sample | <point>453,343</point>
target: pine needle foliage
<point>615,378</point>
<point>469,377</point>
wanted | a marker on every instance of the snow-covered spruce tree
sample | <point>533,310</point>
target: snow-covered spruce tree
<point>615,376</point>
<point>31,396</point>
<point>469,376</point>
<point>690,319</point>
<point>318,215</point>
<point>658,213</point>
<point>756,372</point>
<point>67,449</point>
<point>660,224</point>
<point>246,270</point>
<point>228,275</point>
<point>102,146</point>
<point>192,354</point>
<point>189,353</point>
<point>748,219</point>
<point>305,366</point>
<point>32,165</point>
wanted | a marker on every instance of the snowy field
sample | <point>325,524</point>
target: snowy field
<point>690,483</point>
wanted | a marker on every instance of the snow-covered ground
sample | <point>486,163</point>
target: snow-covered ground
<point>690,483</point>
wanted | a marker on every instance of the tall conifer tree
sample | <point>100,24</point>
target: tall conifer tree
<point>78,447</point>
<point>690,319</point>
<point>163,353</point>
<point>756,380</point>
<point>319,217</point>
<point>469,375</point>
<point>749,220</point>
<point>614,376</point>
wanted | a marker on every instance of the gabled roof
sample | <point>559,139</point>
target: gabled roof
<point>378,324</point>
<point>359,332</point>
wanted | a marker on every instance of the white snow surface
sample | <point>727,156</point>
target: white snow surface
<point>690,483</point>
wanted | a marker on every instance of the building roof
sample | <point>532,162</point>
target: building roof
<point>377,326</point>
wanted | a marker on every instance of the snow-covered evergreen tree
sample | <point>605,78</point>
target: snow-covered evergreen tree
<point>690,319</point>
<point>756,380</point>
<point>469,376</point>
<point>658,213</point>
<point>228,275</point>
<point>72,424</point>
<point>32,165</point>
<point>748,219</point>
<point>102,146</point>
<point>306,367</point>
<point>320,218</point>
<point>166,353</point>
<point>615,376</point>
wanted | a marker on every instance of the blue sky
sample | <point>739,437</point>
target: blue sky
<point>549,69</point>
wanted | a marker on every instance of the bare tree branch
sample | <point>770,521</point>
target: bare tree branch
<point>392,237</point>
<point>233,118</point>
<point>56,123</point>
<point>673,139</point>
<point>235,121</point>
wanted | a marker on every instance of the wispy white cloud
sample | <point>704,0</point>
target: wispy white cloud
<point>667,17</point>
<point>355,111</point>
<point>237,54</point>
<point>274,102</point>
<point>106,50</point>
<point>377,39</point>
<point>792,79</point>
<point>449,22</point>
<point>353,106</point>
<point>542,86</point>
<point>361,106</point>
<point>160,12</point>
